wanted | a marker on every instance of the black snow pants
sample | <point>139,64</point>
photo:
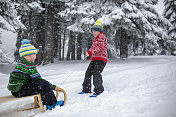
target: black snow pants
<point>95,68</point>
<point>43,87</point>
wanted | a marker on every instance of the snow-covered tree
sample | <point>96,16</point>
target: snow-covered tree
<point>170,14</point>
<point>143,25</point>
<point>8,16</point>
<point>61,28</point>
<point>128,24</point>
<point>8,21</point>
<point>3,56</point>
<point>29,13</point>
<point>74,14</point>
<point>42,27</point>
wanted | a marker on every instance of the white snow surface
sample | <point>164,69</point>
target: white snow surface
<point>135,87</point>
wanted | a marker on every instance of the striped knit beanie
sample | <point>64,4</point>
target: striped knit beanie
<point>26,48</point>
<point>97,26</point>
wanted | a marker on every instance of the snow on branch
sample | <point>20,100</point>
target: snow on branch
<point>36,6</point>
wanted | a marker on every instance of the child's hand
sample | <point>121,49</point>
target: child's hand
<point>87,54</point>
<point>57,88</point>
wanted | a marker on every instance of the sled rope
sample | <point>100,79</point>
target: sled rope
<point>71,73</point>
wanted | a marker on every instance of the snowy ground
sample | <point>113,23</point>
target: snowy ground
<point>137,87</point>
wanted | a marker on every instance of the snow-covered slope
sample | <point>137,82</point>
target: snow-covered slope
<point>137,87</point>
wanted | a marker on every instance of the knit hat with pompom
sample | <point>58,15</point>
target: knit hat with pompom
<point>97,26</point>
<point>26,48</point>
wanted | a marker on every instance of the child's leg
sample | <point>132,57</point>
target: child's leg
<point>97,77</point>
<point>87,79</point>
<point>43,87</point>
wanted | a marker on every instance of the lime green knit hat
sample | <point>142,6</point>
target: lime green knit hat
<point>97,26</point>
<point>26,48</point>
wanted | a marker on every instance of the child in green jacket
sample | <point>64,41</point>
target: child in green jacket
<point>25,79</point>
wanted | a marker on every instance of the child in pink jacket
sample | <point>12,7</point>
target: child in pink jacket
<point>98,53</point>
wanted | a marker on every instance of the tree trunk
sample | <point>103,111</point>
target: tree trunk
<point>71,48</point>
<point>79,46</point>
<point>63,45</point>
<point>40,39</point>
<point>58,47</point>
<point>49,48</point>
<point>123,44</point>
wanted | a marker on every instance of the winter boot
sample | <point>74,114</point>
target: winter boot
<point>94,95</point>
<point>60,103</point>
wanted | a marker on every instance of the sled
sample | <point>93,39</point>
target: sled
<point>37,97</point>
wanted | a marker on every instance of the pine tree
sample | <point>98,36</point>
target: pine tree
<point>127,24</point>
<point>8,16</point>
<point>170,14</point>
<point>131,27</point>
<point>79,17</point>
<point>142,24</point>
<point>29,13</point>
<point>42,22</point>
<point>74,17</point>
<point>8,21</point>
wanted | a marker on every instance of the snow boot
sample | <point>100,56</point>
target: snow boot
<point>94,95</point>
<point>48,107</point>
<point>60,103</point>
<point>84,92</point>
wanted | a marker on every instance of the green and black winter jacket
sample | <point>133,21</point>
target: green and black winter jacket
<point>24,72</point>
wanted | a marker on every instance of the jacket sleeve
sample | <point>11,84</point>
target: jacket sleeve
<point>53,86</point>
<point>97,46</point>
<point>89,52</point>
<point>38,77</point>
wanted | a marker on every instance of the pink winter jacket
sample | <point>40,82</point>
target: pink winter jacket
<point>98,49</point>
